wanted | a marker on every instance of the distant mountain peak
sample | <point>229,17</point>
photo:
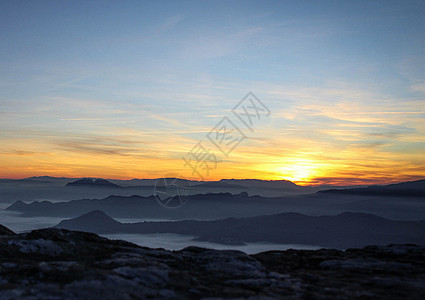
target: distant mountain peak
<point>18,205</point>
<point>95,215</point>
<point>259,183</point>
<point>91,221</point>
<point>93,183</point>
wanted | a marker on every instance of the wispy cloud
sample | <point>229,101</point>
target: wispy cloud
<point>128,96</point>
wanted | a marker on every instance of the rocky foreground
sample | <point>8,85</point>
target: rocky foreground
<point>62,264</point>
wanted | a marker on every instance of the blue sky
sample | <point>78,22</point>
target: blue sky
<point>139,82</point>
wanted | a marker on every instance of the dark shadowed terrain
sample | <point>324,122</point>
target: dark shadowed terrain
<point>62,264</point>
<point>341,231</point>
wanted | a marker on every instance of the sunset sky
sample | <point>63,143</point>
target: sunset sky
<point>125,89</point>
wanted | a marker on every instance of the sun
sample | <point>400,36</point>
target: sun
<point>300,171</point>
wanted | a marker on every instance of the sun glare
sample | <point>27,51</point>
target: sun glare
<point>301,171</point>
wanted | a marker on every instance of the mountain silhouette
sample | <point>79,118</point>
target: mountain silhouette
<point>341,231</point>
<point>404,189</point>
<point>87,182</point>
<point>94,221</point>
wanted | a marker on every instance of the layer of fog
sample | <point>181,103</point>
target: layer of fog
<point>19,224</point>
<point>172,241</point>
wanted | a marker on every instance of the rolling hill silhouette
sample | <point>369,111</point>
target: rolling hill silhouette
<point>404,189</point>
<point>87,182</point>
<point>340,231</point>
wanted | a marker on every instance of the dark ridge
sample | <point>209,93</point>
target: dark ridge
<point>62,264</point>
<point>5,231</point>
<point>93,183</point>
<point>404,189</point>
<point>341,231</point>
<point>258,183</point>
<point>17,206</point>
<point>94,221</point>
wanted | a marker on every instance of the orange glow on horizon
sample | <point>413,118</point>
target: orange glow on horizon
<point>302,172</point>
<point>317,98</point>
<point>301,160</point>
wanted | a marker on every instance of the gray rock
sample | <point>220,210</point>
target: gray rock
<point>62,264</point>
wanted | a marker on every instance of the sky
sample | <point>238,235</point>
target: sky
<point>134,89</point>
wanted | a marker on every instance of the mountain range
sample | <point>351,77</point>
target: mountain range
<point>402,201</point>
<point>58,188</point>
<point>340,231</point>
<point>404,189</point>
